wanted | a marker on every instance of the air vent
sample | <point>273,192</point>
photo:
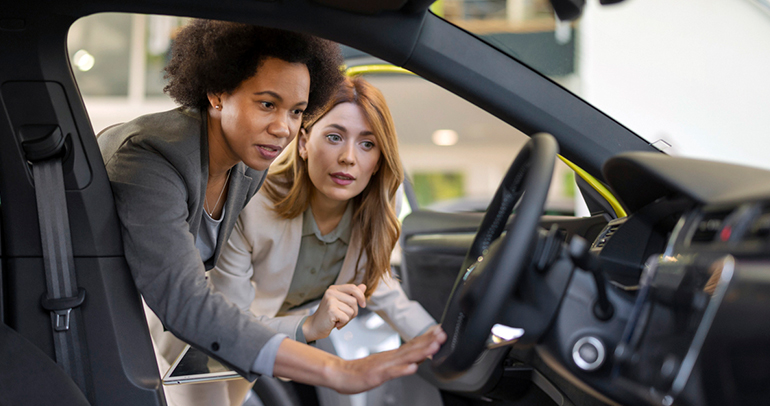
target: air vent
<point>760,227</point>
<point>708,226</point>
<point>605,236</point>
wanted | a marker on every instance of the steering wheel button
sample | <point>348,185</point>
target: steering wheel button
<point>588,353</point>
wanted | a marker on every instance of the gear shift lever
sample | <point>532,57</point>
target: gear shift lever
<point>582,257</point>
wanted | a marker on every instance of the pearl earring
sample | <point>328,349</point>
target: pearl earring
<point>218,107</point>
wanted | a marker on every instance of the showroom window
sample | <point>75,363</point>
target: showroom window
<point>118,62</point>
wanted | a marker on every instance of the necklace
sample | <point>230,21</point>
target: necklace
<point>205,198</point>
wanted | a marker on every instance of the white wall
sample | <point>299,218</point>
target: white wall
<point>693,72</point>
<point>104,112</point>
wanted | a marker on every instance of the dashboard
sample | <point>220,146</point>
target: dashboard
<point>689,280</point>
<point>687,274</point>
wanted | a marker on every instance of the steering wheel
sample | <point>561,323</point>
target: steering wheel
<point>493,266</point>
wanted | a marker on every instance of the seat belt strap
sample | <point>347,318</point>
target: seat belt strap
<point>63,295</point>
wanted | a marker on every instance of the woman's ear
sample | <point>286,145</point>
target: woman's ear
<point>301,144</point>
<point>215,100</point>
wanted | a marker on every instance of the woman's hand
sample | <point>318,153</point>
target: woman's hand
<point>367,373</point>
<point>339,305</point>
<point>312,366</point>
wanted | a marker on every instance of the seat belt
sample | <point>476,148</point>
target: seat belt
<point>45,150</point>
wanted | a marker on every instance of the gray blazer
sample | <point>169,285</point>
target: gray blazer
<point>158,169</point>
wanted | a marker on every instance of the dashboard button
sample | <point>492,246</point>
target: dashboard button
<point>588,353</point>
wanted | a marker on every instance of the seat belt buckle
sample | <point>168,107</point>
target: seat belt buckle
<point>61,308</point>
<point>41,142</point>
<point>61,319</point>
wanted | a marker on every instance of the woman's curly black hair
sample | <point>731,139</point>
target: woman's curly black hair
<point>217,56</point>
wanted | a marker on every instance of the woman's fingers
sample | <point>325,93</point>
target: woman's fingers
<point>424,346</point>
<point>346,299</point>
<point>343,297</point>
<point>412,352</point>
<point>338,306</point>
<point>360,294</point>
<point>339,318</point>
<point>420,348</point>
<point>340,301</point>
<point>352,291</point>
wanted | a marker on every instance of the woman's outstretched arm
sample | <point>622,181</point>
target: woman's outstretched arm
<point>312,366</point>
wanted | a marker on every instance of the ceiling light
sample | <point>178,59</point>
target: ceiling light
<point>83,60</point>
<point>445,137</point>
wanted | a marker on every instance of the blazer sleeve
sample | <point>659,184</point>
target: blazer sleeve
<point>151,201</point>
<point>406,316</point>
<point>289,324</point>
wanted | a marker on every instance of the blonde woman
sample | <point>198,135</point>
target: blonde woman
<point>323,226</point>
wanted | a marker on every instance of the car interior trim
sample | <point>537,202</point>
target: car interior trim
<point>598,186</point>
<point>375,68</point>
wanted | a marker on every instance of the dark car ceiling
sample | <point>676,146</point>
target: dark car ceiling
<point>363,7</point>
<point>410,37</point>
<point>377,6</point>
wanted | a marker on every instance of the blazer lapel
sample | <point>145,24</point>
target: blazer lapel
<point>275,259</point>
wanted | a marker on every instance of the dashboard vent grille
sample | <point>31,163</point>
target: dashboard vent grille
<point>760,227</point>
<point>709,226</point>
<point>605,236</point>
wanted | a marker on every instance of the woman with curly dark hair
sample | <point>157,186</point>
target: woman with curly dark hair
<point>180,178</point>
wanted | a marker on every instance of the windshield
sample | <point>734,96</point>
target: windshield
<point>690,77</point>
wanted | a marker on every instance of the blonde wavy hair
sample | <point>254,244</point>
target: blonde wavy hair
<point>374,221</point>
